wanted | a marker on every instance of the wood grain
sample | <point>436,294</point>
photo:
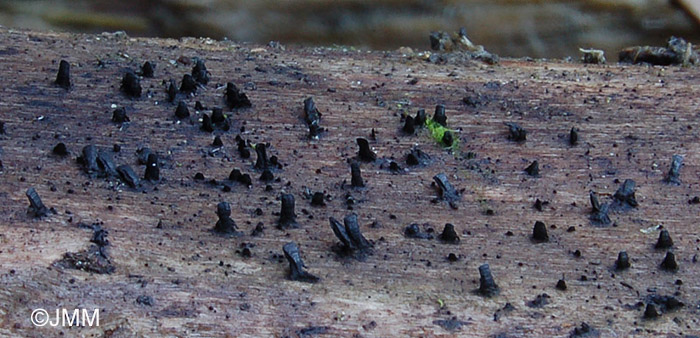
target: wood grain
<point>632,119</point>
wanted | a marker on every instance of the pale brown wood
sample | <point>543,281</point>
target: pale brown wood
<point>632,119</point>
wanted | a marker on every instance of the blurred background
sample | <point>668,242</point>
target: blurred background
<point>536,28</point>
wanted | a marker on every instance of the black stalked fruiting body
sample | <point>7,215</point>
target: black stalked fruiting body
<point>561,285</point>
<point>312,117</point>
<point>487,286</point>
<point>599,213</point>
<point>318,199</point>
<point>131,85</point>
<point>267,176</point>
<point>417,157</point>
<point>60,149</point>
<point>413,231</point>
<point>449,235</point>
<point>573,136</point>
<point>669,262</point>
<point>446,191</point>
<point>172,91</point>
<point>440,116</point>
<point>409,126</point>
<point>447,138</point>
<point>218,143</point>
<point>516,132</point>
<point>217,116</point>
<point>288,219</point>
<point>63,76</point>
<point>355,175</point>
<point>188,84</point>
<point>119,116</point>
<point>262,161</point>
<point>242,147</point>
<point>181,112</point>
<point>624,196</point>
<point>89,160</point>
<point>142,154</point>
<point>349,234</point>
<point>651,312</point>
<point>236,98</point>
<point>623,261</point>
<point>664,241</point>
<point>200,73</point>
<point>207,125</point>
<point>147,69</point>
<point>225,224</point>
<point>674,173</point>
<point>420,118</point>
<point>128,176</point>
<point>152,168</point>
<point>36,207</point>
<point>106,164</point>
<point>296,265</point>
<point>533,169</point>
<point>365,153</point>
<point>539,233</point>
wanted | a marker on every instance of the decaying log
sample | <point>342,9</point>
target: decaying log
<point>144,252</point>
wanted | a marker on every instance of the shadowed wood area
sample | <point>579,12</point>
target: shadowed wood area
<point>173,276</point>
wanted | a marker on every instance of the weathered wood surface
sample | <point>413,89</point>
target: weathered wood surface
<point>632,119</point>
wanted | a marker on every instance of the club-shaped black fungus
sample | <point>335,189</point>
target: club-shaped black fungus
<point>365,153</point>
<point>420,118</point>
<point>623,261</point>
<point>181,112</point>
<point>242,147</point>
<point>225,224</point>
<point>447,138</point>
<point>312,117</point>
<point>561,285</point>
<point>449,235</point>
<point>409,126</point>
<point>669,263</point>
<point>651,312</point>
<point>217,116</point>
<point>417,157</point>
<point>236,98</point>
<point>539,232</point>
<point>207,125</point>
<point>267,176</point>
<point>131,85</point>
<point>487,285</point>
<point>262,161</point>
<point>533,169</point>
<point>36,206</point>
<point>356,175</point>
<point>584,330</point>
<point>318,199</point>
<point>217,143</point>
<point>349,234</point>
<point>106,164</point>
<point>624,196</point>
<point>413,231</point>
<point>188,84</point>
<point>573,136</point>
<point>664,241</point>
<point>599,213</point>
<point>147,69</point>
<point>674,173</point>
<point>172,91</point>
<point>60,149</point>
<point>89,160</point>
<point>119,116</point>
<point>296,265</point>
<point>446,191</point>
<point>440,116</point>
<point>128,176</point>
<point>516,132</point>
<point>152,168</point>
<point>288,219</point>
<point>200,73</point>
<point>63,76</point>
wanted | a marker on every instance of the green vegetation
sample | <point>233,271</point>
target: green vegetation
<point>437,131</point>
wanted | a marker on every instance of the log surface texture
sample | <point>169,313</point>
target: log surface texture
<point>632,119</point>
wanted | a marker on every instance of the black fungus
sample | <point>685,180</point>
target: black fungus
<point>318,199</point>
<point>487,285</point>
<point>147,69</point>
<point>218,143</point>
<point>674,173</point>
<point>312,117</point>
<point>152,168</point>
<point>349,234</point>
<point>172,91</point>
<point>664,241</point>
<point>440,116</point>
<point>446,191</point>
<point>417,157</point>
<point>561,285</point>
<point>624,196</point>
<point>200,73</point>
<point>36,206</point>
<point>409,126</point>
<point>199,176</point>
<point>296,265</point>
<point>207,125</point>
<point>106,164</point>
<point>181,112</point>
<point>287,215</point>
<point>516,132</point>
<point>539,301</point>
<point>131,85</point>
<point>188,84</point>
<point>449,235</point>
<point>63,76</point>
<point>599,213</point>
<point>236,98</point>
<point>217,116</point>
<point>584,330</point>
<point>89,160</point>
<point>267,176</point>
<point>539,233</point>
<point>119,116</point>
<point>262,161</point>
<point>128,175</point>
<point>355,175</point>
<point>143,154</point>
<point>533,169</point>
<point>573,136</point>
<point>365,153</point>
<point>242,147</point>
<point>447,138</point>
<point>394,167</point>
<point>651,312</point>
<point>60,149</point>
<point>225,224</point>
<point>623,261</point>
<point>420,118</point>
<point>413,231</point>
<point>669,262</point>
